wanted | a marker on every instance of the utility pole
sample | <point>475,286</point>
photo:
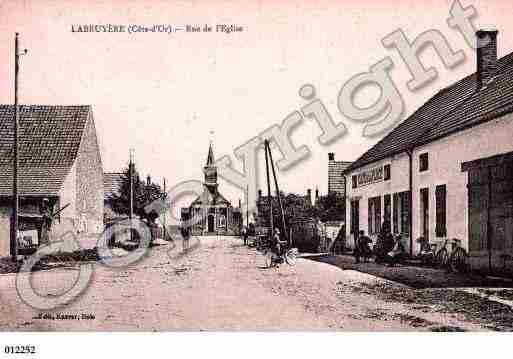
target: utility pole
<point>278,195</point>
<point>131,174</point>
<point>247,205</point>
<point>131,185</point>
<point>165,212</point>
<point>15,194</point>
<point>269,198</point>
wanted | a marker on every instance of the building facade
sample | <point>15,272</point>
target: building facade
<point>59,164</point>
<point>211,213</point>
<point>447,170</point>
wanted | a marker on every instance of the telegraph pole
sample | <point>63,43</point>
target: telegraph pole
<point>131,174</point>
<point>247,205</point>
<point>269,199</point>
<point>165,212</point>
<point>15,196</point>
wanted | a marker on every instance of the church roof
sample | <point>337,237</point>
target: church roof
<point>210,157</point>
<point>210,196</point>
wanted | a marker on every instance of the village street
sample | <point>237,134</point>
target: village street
<point>222,285</point>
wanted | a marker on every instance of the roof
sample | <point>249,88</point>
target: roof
<point>452,109</point>
<point>210,157</point>
<point>49,142</point>
<point>112,182</point>
<point>210,196</point>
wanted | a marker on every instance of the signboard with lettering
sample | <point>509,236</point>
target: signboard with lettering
<point>370,176</point>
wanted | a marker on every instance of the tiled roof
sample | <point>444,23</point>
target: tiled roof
<point>112,183</point>
<point>452,109</point>
<point>49,141</point>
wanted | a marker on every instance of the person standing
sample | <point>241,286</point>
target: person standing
<point>245,235</point>
<point>46,222</point>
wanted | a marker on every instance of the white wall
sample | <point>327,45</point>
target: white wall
<point>445,158</point>
<point>398,182</point>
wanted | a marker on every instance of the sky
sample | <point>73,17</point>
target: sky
<point>163,94</point>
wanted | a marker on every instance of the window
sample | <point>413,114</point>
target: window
<point>374,215</point>
<point>400,214</point>
<point>441,211</point>
<point>355,181</point>
<point>423,162</point>
<point>387,208</point>
<point>386,175</point>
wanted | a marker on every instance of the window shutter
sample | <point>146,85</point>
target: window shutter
<point>405,201</point>
<point>441,208</point>
<point>369,218</point>
<point>378,214</point>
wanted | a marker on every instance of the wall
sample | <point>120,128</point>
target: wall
<point>445,158</point>
<point>89,182</point>
<point>398,182</point>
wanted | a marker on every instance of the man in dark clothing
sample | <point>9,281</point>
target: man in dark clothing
<point>245,235</point>
<point>362,247</point>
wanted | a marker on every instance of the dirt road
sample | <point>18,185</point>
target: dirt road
<point>221,285</point>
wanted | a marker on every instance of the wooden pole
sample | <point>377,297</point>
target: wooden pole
<point>269,198</point>
<point>15,197</point>
<point>278,195</point>
<point>165,212</point>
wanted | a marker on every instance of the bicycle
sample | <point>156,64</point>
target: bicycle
<point>272,258</point>
<point>456,260</point>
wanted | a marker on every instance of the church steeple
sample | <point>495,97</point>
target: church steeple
<point>210,169</point>
<point>210,158</point>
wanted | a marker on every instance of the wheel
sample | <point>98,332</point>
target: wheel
<point>291,256</point>
<point>442,258</point>
<point>459,260</point>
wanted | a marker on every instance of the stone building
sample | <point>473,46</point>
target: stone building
<point>212,213</point>
<point>59,160</point>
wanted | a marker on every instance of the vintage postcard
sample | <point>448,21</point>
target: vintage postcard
<point>264,166</point>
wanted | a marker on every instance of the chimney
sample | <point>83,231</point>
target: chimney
<point>331,156</point>
<point>309,195</point>
<point>316,194</point>
<point>148,180</point>
<point>240,203</point>
<point>487,65</point>
<point>259,194</point>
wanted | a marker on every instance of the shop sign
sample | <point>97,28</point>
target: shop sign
<point>370,176</point>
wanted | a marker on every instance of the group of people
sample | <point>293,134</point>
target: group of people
<point>388,249</point>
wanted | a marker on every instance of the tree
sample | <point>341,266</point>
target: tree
<point>330,208</point>
<point>144,193</point>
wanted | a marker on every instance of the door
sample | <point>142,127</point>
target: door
<point>210,223</point>
<point>490,201</point>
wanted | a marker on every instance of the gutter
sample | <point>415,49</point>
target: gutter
<point>410,197</point>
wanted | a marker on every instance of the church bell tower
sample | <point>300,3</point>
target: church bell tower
<point>210,169</point>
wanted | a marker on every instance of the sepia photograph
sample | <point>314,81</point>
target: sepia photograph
<point>333,167</point>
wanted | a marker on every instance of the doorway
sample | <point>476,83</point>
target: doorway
<point>210,227</point>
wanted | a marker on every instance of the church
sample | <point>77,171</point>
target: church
<point>212,213</point>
